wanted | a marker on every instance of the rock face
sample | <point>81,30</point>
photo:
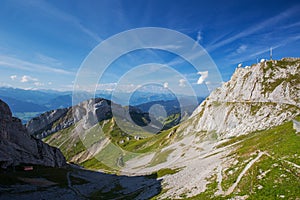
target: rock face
<point>17,146</point>
<point>89,112</point>
<point>256,98</point>
<point>38,124</point>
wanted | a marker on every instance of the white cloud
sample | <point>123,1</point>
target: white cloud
<point>26,79</point>
<point>240,65</point>
<point>38,84</point>
<point>241,49</point>
<point>203,76</point>
<point>182,82</point>
<point>166,84</point>
<point>13,77</point>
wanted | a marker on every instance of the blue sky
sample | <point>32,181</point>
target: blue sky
<point>43,43</point>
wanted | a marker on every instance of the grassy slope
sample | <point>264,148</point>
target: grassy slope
<point>281,179</point>
<point>281,143</point>
<point>111,153</point>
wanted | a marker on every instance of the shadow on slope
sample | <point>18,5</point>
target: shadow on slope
<point>74,183</point>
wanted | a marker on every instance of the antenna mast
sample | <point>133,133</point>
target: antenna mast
<point>271,53</point>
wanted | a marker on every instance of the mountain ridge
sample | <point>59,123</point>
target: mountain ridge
<point>18,147</point>
<point>257,97</point>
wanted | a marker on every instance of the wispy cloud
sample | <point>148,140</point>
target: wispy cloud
<point>241,49</point>
<point>48,60</point>
<point>291,25</point>
<point>198,39</point>
<point>256,52</point>
<point>9,61</point>
<point>271,22</point>
<point>50,10</point>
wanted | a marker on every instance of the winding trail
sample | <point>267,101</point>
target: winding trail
<point>291,163</point>
<point>230,190</point>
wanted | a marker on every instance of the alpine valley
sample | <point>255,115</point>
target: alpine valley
<point>241,142</point>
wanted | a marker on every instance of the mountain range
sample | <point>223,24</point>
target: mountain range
<point>239,143</point>
<point>26,104</point>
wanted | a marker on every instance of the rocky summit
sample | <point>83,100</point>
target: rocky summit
<point>17,146</point>
<point>256,98</point>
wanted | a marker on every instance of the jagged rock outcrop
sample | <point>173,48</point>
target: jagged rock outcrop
<point>17,146</point>
<point>256,98</point>
<point>38,124</point>
<point>89,112</point>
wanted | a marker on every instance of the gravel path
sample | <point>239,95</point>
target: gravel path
<point>230,190</point>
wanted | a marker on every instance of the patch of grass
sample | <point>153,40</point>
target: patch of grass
<point>287,62</point>
<point>254,108</point>
<point>270,65</point>
<point>269,177</point>
<point>232,140</point>
<point>171,121</point>
<point>213,135</point>
<point>152,143</point>
<point>95,164</point>
<point>279,180</point>
<point>121,148</point>
<point>166,171</point>
<point>69,146</point>
<point>216,103</point>
<point>109,156</point>
<point>280,141</point>
<point>160,157</point>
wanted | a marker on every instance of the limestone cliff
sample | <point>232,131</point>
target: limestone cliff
<point>255,98</point>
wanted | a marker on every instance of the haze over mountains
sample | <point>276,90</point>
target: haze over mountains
<point>239,143</point>
<point>27,104</point>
